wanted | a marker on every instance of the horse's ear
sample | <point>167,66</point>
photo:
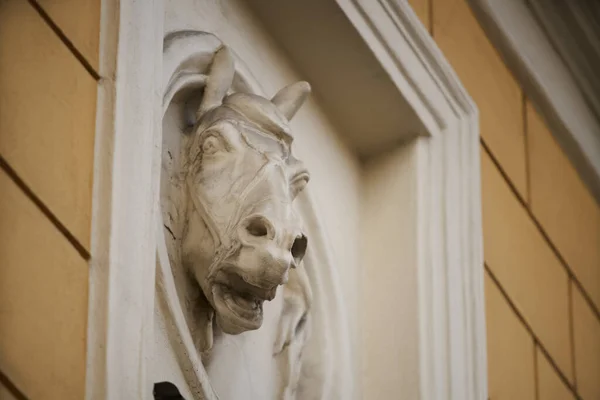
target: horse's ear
<point>219,80</point>
<point>289,99</point>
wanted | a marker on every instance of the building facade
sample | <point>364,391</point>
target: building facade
<point>541,225</point>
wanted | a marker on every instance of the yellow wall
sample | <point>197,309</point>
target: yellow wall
<point>541,230</point>
<point>48,82</point>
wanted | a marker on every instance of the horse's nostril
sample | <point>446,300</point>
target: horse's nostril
<point>299,248</point>
<point>257,227</point>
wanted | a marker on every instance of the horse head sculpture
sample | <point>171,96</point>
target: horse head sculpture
<point>242,235</point>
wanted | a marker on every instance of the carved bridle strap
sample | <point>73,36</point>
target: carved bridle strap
<point>223,240</point>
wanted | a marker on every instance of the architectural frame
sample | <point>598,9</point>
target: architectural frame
<point>452,344</point>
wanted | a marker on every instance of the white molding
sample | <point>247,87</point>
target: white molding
<point>572,28</point>
<point>450,263</point>
<point>126,173</point>
<point>554,87</point>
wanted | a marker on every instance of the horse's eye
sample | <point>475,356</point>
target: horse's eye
<point>299,183</point>
<point>212,145</point>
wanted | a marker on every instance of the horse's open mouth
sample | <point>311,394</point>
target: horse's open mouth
<point>240,302</point>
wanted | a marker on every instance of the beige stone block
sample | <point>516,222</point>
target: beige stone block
<point>47,116</point>
<point>488,81</point>
<point>550,386</point>
<point>586,327</point>
<point>43,301</point>
<point>563,205</point>
<point>511,373</point>
<point>525,266</point>
<point>79,20</point>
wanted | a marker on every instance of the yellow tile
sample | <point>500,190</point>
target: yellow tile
<point>586,328</point>
<point>79,20</point>
<point>525,266</point>
<point>421,8</point>
<point>510,350</point>
<point>488,81</point>
<point>563,205</point>
<point>47,116</point>
<point>550,386</point>
<point>43,302</point>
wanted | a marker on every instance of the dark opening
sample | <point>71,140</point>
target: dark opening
<point>166,391</point>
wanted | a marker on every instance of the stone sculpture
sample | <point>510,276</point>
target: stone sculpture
<point>242,179</point>
<point>234,237</point>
